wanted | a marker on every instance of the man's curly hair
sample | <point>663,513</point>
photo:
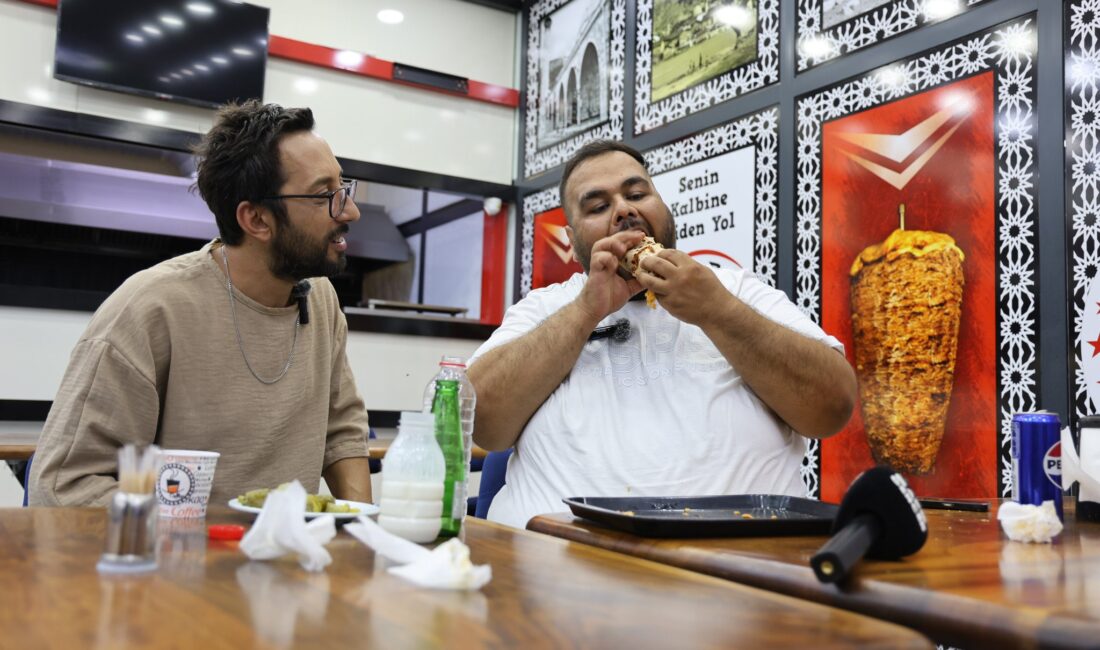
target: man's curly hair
<point>238,160</point>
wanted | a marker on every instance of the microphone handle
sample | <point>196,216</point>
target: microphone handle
<point>847,547</point>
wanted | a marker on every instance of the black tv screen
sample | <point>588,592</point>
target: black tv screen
<point>203,52</point>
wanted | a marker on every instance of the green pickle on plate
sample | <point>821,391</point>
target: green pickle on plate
<point>314,502</point>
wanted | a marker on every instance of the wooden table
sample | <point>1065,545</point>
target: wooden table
<point>544,592</point>
<point>379,446</point>
<point>969,586</point>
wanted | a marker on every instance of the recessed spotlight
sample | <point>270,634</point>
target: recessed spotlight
<point>201,66</point>
<point>937,9</point>
<point>220,60</point>
<point>817,47</point>
<point>348,59</point>
<point>200,8</point>
<point>134,38</point>
<point>188,72</point>
<point>171,20</point>
<point>38,95</point>
<point>149,29</point>
<point>242,51</point>
<point>176,75</point>
<point>164,79</point>
<point>305,85</point>
<point>390,16</point>
<point>153,115</point>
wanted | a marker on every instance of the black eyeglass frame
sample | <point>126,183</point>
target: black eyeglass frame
<point>347,188</point>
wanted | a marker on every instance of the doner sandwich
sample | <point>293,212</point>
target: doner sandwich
<point>632,263</point>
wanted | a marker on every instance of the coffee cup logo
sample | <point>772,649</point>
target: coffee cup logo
<point>175,483</point>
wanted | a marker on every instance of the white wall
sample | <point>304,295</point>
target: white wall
<point>452,264</point>
<point>363,119</point>
<point>391,370</point>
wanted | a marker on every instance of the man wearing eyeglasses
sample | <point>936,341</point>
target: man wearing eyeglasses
<point>238,348</point>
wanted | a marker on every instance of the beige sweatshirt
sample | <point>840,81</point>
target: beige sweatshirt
<point>160,363</point>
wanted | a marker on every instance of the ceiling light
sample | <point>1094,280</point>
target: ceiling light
<point>149,29</point>
<point>348,59</point>
<point>171,20</point>
<point>305,86</point>
<point>390,16</point>
<point>153,115</point>
<point>200,8</point>
<point>242,51</point>
<point>188,72</point>
<point>38,95</point>
<point>134,38</point>
<point>164,79</point>
<point>201,66</point>
<point>175,75</point>
<point>220,60</point>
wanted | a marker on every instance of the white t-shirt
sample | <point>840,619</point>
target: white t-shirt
<point>661,414</point>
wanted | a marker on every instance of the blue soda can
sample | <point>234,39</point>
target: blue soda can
<point>1037,459</point>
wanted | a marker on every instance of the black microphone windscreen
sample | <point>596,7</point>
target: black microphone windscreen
<point>884,493</point>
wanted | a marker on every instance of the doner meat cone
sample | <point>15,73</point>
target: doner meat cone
<point>906,305</point>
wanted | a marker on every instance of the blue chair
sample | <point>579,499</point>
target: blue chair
<point>27,480</point>
<point>374,463</point>
<point>492,479</point>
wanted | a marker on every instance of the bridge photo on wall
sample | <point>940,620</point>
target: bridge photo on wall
<point>575,60</point>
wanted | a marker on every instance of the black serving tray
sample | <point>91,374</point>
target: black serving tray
<point>710,516</point>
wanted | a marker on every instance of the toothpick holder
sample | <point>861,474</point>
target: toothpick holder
<point>131,534</point>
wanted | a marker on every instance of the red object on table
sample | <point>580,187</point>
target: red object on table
<point>225,532</point>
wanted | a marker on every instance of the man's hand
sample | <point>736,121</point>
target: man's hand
<point>606,291</point>
<point>685,288</point>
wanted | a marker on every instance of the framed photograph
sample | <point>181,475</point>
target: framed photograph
<point>828,29</point>
<point>575,62</point>
<point>690,55</point>
<point>916,247</point>
<point>1082,179</point>
<point>721,186</point>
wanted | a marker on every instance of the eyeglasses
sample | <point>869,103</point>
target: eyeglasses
<point>337,199</point>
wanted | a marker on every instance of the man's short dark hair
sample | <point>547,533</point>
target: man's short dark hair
<point>238,160</point>
<point>591,150</point>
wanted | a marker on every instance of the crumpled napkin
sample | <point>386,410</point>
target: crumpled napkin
<point>1029,523</point>
<point>447,566</point>
<point>281,528</point>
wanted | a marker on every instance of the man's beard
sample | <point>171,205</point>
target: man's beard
<point>296,256</point>
<point>666,238</point>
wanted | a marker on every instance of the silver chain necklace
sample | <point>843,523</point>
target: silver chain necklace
<point>236,327</point>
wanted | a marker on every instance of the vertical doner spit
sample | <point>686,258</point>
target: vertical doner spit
<point>906,298</point>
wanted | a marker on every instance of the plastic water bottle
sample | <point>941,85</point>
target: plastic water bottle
<point>412,481</point>
<point>451,400</point>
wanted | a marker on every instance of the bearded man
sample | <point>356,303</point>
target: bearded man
<point>713,392</point>
<point>230,348</point>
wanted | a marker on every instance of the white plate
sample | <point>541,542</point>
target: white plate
<point>364,509</point>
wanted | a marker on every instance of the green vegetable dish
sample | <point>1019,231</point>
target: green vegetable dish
<point>314,502</point>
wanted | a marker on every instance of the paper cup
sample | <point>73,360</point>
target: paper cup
<point>184,479</point>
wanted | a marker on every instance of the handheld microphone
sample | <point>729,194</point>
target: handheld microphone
<point>300,292</point>
<point>618,332</point>
<point>879,517</point>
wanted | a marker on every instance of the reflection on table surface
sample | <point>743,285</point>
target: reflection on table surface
<point>544,592</point>
<point>969,586</point>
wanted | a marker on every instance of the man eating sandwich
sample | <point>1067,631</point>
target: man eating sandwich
<point>714,391</point>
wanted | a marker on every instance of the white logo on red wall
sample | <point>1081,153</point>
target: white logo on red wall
<point>1088,345</point>
<point>1052,464</point>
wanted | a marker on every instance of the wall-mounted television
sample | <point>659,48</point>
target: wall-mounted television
<point>202,52</point>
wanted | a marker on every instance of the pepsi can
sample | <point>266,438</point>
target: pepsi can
<point>1037,459</point>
